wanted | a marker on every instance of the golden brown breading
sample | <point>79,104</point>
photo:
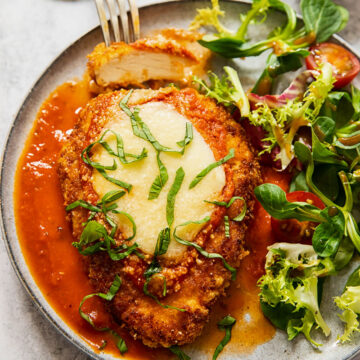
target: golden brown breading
<point>194,282</point>
<point>172,55</point>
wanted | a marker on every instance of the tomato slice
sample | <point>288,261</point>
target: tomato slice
<point>292,230</point>
<point>345,65</point>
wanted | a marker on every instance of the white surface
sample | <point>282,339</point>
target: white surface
<point>32,34</point>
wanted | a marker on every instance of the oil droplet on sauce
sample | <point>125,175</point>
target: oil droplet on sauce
<point>45,237</point>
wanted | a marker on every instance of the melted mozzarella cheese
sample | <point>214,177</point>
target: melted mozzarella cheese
<point>168,127</point>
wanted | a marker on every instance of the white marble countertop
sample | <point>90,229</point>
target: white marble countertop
<point>32,34</point>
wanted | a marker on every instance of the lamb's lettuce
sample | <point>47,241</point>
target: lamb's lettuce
<point>329,18</point>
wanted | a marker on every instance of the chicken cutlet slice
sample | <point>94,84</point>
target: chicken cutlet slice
<point>172,55</point>
<point>194,282</point>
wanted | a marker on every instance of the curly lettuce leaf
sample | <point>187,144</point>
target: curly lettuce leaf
<point>291,282</point>
<point>226,90</point>
<point>349,302</point>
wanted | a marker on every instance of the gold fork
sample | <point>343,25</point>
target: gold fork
<point>128,31</point>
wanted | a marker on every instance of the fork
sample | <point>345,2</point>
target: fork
<point>117,9</point>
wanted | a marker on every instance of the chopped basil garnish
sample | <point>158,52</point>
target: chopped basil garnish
<point>162,242</point>
<point>117,182</point>
<point>121,154</point>
<point>226,325</point>
<point>239,217</point>
<point>224,203</point>
<point>111,196</point>
<point>200,249</point>
<point>179,353</point>
<point>154,268</point>
<point>130,218</point>
<point>85,155</point>
<point>188,136</point>
<point>108,198</point>
<point>93,232</point>
<point>170,205</point>
<point>120,344</point>
<point>83,204</point>
<point>114,288</point>
<point>141,130</point>
<point>227,226</point>
<point>212,166</point>
<point>159,181</point>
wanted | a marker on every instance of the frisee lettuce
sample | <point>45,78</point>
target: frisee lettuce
<point>289,288</point>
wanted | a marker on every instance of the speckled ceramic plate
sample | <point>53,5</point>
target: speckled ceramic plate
<point>71,63</point>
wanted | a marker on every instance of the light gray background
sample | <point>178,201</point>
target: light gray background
<point>32,34</point>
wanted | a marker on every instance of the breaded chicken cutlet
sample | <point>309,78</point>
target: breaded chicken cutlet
<point>193,282</point>
<point>171,55</point>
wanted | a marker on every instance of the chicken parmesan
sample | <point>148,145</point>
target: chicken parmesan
<point>159,190</point>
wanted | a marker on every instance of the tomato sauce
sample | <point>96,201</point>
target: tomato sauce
<point>45,237</point>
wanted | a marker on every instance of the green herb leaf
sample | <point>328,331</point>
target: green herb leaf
<point>323,17</point>
<point>170,204</point>
<point>117,182</point>
<point>165,306</point>
<point>344,254</point>
<point>159,181</point>
<point>327,236</point>
<point>226,325</point>
<point>85,155</point>
<point>189,135</point>
<point>179,353</point>
<point>131,219</point>
<point>298,183</point>
<point>212,166</point>
<point>114,288</point>
<point>83,204</point>
<point>162,242</point>
<point>200,249</point>
<point>227,226</point>
<point>116,255</point>
<point>120,344</point>
<point>274,201</point>
<point>241,216</point>
<point>111,196</point>
<point>276,66</point>
<point>141,130</point>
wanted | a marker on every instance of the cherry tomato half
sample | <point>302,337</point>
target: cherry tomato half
<point>292,230</point>
<point>345,65</point>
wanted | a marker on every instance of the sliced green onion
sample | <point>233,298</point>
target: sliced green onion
<point>212,166</point>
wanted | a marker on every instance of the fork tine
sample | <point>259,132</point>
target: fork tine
<point>124,20</point>
<point>135,19</point>
<point>114,19</point>
<point>103,21</point>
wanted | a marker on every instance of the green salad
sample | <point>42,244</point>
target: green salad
<point>312,131</point>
